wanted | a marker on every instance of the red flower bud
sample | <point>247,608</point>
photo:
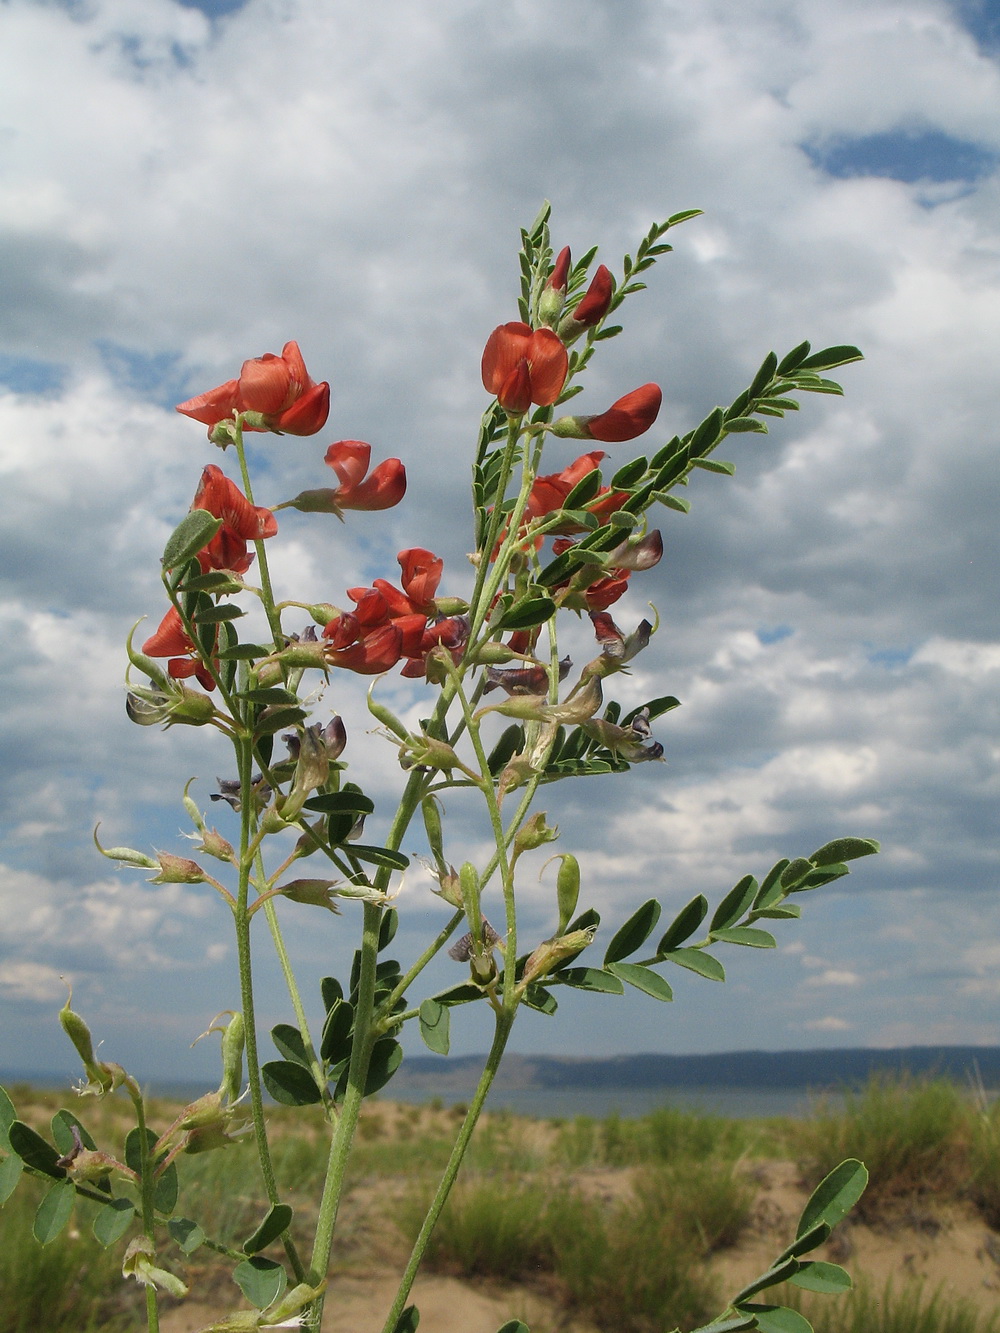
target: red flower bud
<point>560,270</point>
<point>628,417</point>
<point>597,301</point>
<point>524,366</point>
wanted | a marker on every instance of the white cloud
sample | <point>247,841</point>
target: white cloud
<point>355,180</point>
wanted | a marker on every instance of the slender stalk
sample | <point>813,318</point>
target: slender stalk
<point>244,754</point>
<point>340,1147</point>
<point>504,1023</point>
<point>146,1185</point>
<point>267,597</point>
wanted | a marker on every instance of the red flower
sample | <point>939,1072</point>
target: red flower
<point>277,388</point>
<point>524,366</point>
<point>382,489</point>
<point>241,522</point>
<point>628,417</point>
<point>549,493</point>
<point>388,624</point>
<point>171,638</point>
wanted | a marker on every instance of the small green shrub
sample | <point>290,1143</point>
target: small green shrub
<point>632,1266</point>
<point>912,1135</point>
<point>984,1164</point>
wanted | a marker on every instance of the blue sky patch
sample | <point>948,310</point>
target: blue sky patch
<point>775,634</point>
<point>25,375</point>
<point>154,375</point>
<point>889,657</point>
<point>904,155</point>
<point>982,19</point>
<point>214,9</point>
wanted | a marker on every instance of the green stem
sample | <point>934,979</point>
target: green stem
<point>267,593</point>
<point>244,754</point>
<point>504,1022</point>
<point>340,1147</point>
<point>291,982</point>
<point>146,1186</point>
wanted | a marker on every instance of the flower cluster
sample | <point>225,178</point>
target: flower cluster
<point>388,625</point>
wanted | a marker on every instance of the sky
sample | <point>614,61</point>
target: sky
<point>183,186</point>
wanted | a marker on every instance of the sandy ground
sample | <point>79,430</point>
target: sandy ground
<point>948,1247</point>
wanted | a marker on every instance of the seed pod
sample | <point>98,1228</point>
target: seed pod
<point>567,890</point>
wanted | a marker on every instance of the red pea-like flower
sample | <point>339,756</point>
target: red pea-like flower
<point>241,522</point>
<point>549,493</point>
<point>522,366</point>
<point>171,640</point>
<point>384,487</point>
<point>278,389</point>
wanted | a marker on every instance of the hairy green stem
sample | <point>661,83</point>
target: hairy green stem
<point>504,1022</point>
<point>244,754</point>
<point>146,1186</point>
<point>340,1146</point>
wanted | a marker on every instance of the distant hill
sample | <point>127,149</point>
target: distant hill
<point>732,1069</point>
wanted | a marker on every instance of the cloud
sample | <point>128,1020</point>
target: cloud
<point>272,170</point>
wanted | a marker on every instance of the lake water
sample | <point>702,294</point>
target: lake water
<point>565,1103</point>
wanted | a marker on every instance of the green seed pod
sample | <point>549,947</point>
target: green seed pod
<point>469,879</point>
<point>567,890</point>
<point>431,809</point>
<point>233,1042</point>
<point>191,806</point>
<point>387,717</point>
<point>101,1077</point>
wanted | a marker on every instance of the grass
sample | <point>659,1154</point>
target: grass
<point>908,1310</point>
<point>615,1219</point>
<point>70,1286</point>
<point>632,1265</point>
<point>912,1135</point>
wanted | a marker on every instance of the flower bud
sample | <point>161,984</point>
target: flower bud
<point>551,952</point>
<point>591,310</point>
<point>553,297</point>
<point>139,1264</point>
<point>451,606</point>
<point>177,870</point>
<point>534,833</point>
<point>495,654</point>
